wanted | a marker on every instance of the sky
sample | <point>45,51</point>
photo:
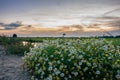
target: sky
<point>52,18</point>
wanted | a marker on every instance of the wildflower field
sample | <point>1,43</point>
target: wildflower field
<point>74,59</point>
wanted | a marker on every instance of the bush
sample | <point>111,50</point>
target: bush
<point>18,48</point>
<point>89,59</point>
<point>15,45</point>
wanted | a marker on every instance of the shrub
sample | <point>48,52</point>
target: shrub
<point>14,35</point>
<point>18,48</point>
<point>89,59</point>
<point>15,45</point>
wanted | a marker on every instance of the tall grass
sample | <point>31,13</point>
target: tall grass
<point>15,45</point>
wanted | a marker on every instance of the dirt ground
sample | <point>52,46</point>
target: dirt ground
<point>11,67</point>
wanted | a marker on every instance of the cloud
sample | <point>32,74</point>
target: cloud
<point>108,17</point>
<point>70,28</point>
<point>114,23</point>
<point>10,26</point>
<point>112,11</point>
<point>109,21</point>
<point>105,21</point>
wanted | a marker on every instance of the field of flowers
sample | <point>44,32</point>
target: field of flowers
<point>74,59</point>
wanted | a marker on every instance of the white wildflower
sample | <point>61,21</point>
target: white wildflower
<point>69,54</point>
<point>72,57</point>
<point>38,64</point>
<point>97,72</point>
<point>35,58</point>
<point>48,78</point>
<point>40,70</point>
<point>69,76</point>
<point>85,69</point>
<point>46,59</point>
<point>58,61</point>
<point>80,57</point>
<point>118,71</point>
<point>50,68</point>
<point>66,78</point>
<point>51,56</point>
<point>94,64</point>
<point>32,78</point>
<point>36,78</point>
<point>84,61</point>
<point>42,73</point>
<point>118,76</point>
<point>62,59</point>
<point>62,74</point>
<point>61,66</point>
<point>57,72</point>
<point>75,73</point>
<point>50,63</point>
<point>80,63</point>
<point>89,64</point>
<point>55,69</point>
<point>69,60</point>
<point>41,76</point>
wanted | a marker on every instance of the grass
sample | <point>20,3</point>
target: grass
<point>115,41</point>
<point>15,45</point>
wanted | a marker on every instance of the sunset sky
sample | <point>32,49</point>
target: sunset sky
<point>52,18</point>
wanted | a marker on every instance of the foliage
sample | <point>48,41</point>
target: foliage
<point>74,59</point>
<point>18,48</point>
<point>15,45</point>
<point>14,35</point>
<point>115,41</point>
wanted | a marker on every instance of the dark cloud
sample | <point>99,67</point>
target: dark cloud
<point>78,26</point>
<point>108,20</point>
<point>94,26</point>
<point>112,11</point>
<point>69,28</point>
<point>105,20</point>
<point>115,23</point>
<point>29,26</point>
<point>12,25</point>
<point>109,17</point>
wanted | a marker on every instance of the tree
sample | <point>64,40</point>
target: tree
<point>64,34</point>
<point>14,35</point>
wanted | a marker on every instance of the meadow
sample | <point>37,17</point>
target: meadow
<point>68,58</point>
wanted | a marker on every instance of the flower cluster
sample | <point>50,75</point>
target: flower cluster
<point>74,59</point>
